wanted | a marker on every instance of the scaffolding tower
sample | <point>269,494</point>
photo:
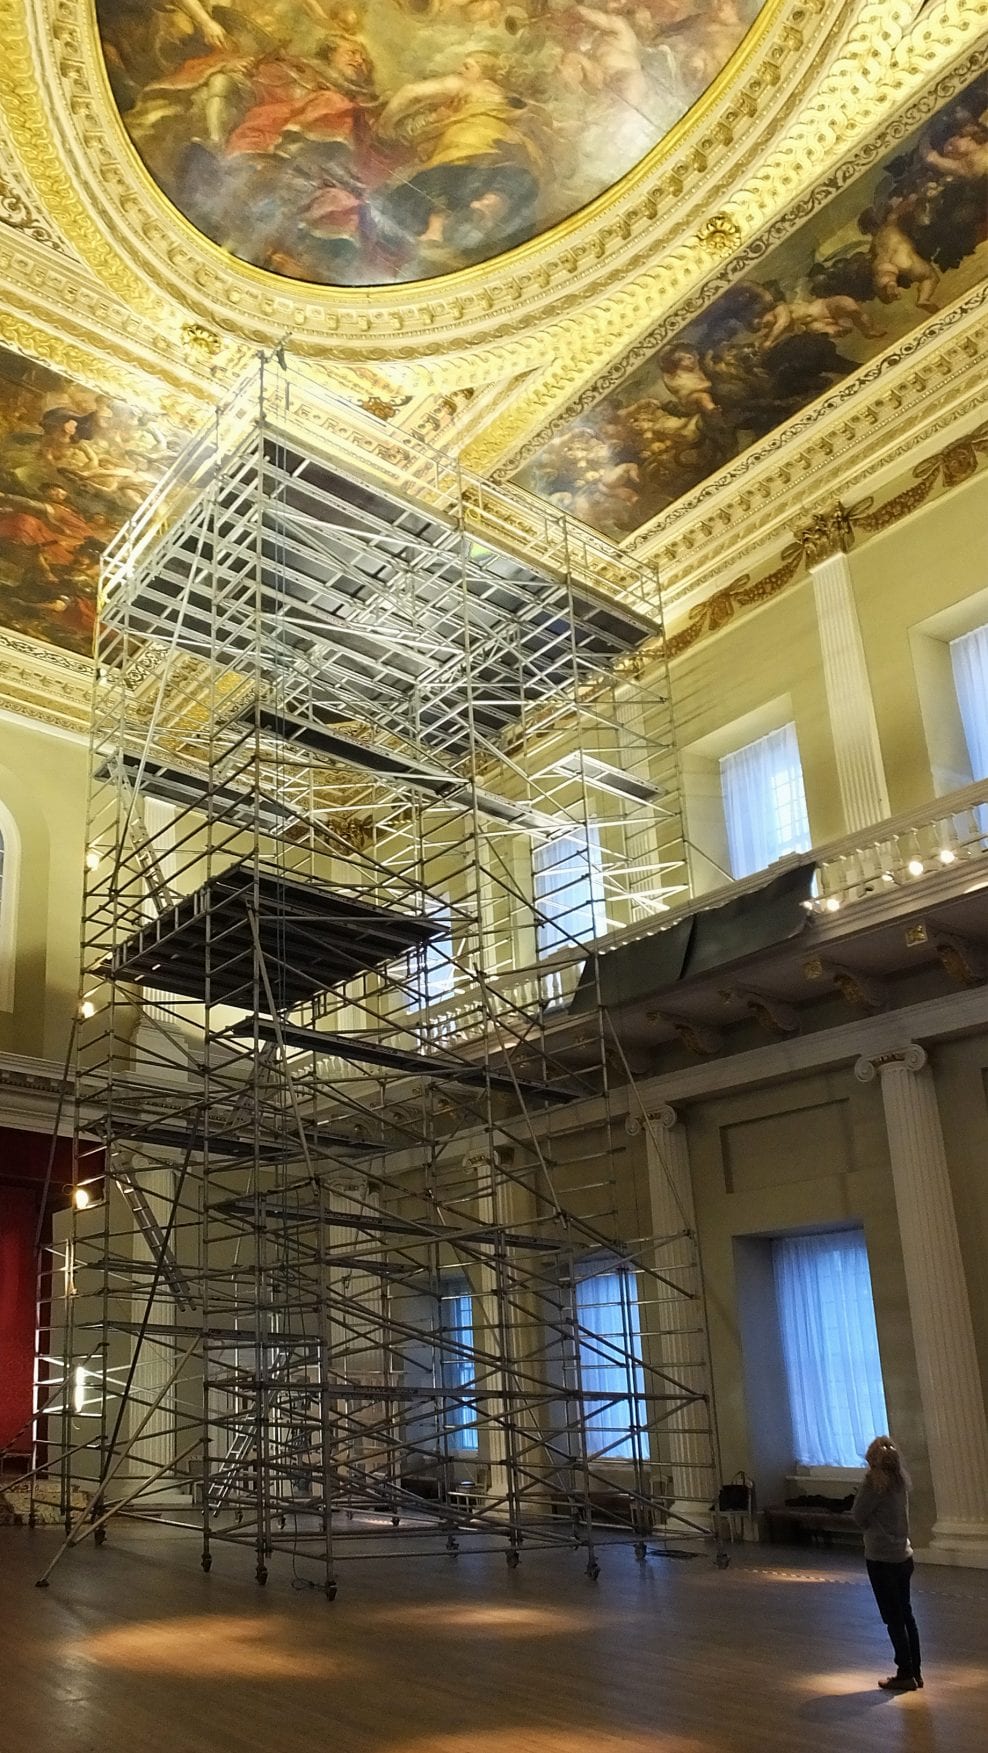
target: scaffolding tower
<point>364,1250</point>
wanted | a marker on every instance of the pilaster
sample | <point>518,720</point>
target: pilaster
<point>686,1436</point>
<point>949,1378</point>
<point>854,727</point>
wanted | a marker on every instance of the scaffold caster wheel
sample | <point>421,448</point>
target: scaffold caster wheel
<point>451,1544</point>
<point>206,1562</point>
<point>513,1559</point>
<point>281,1521</point>
<point>640,1551</point>
<point>261,1574</point>
<point>593,1570</point>
<point>396,1521</point>
<point>32,1520</point>
<point>99,1535</point>
<point>723,1560</point>
<point>240,1517</point>
<point>331,1591</point>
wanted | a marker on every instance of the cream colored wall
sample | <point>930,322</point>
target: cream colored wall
<point>43,784</point>
<point>732,675</point>
<point>919,568</point>
<point>809,1153</point>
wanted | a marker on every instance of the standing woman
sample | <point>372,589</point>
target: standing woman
<point>881,1510</point>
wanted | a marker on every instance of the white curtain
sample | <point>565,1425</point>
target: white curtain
<point>969,657</point>
<point>568,884</point>
<point>610,1365</point>
<point>830,1346</point>
<point>764,802</point>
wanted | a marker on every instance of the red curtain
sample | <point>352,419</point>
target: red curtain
<point>23,1168</point>
<point>18,1320</point>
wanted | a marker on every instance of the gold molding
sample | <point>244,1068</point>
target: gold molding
<point>63,123</point>
<point>829,532</point>
<point>957,463</point>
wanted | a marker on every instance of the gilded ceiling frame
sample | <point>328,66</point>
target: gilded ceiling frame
<point>91,184</point>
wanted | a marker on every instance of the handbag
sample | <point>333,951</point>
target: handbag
<point>737,1497</point>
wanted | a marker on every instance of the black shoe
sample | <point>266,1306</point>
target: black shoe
<point>919,1682</point>
<point>900,1683</point>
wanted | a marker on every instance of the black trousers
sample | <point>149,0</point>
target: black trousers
<point>891,1585</point>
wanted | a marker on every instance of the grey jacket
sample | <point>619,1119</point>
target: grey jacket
<point>883,1517</point>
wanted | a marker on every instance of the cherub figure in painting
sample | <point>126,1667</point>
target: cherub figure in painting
<point>963,153</point>
<point>895,260</point>
<point>612,59</point>
<point>837,314</point>
<point>686,380</point>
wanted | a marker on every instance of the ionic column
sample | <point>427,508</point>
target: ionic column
<point>680,1339</point>
<point>949,1380</point>
<point>854,727</point>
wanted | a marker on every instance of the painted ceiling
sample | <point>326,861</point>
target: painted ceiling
<point>687,270</point>
<point>365,142</point>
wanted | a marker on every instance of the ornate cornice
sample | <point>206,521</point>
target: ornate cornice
<point>44,683</point>
<point>955,464</point>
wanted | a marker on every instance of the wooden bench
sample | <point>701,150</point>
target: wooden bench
<point>791,1522</point>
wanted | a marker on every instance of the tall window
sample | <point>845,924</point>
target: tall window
<point>568,884</point>
<point>611,1373</point>
<point>969,659</point>
<point>459,1369</point>
<point>764,802</point>
<point>830,1346</point>
<point>430,973</point>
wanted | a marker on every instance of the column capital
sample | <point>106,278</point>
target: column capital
<point>828,533</point>
<point>664,1115</point>
<point>912,1056</point>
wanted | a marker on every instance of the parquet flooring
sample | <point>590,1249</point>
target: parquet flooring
<point>134,1650</point>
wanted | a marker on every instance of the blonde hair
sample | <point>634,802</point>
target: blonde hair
<point>885,1469</point>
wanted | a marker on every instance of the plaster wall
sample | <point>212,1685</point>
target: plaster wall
<point>932,566</point>
<point>43,784</point>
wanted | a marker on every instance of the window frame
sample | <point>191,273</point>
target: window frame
<point>784,812</point>
<point>585,838</point>
<point>841,1350</point>
<point>634,1444</point>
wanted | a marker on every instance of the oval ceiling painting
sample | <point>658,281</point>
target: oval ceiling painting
<point>368,142</point>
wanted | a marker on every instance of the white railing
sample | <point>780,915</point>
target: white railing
<point>943,839</point>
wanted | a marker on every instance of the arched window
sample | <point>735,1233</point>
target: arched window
<point>10,862</point>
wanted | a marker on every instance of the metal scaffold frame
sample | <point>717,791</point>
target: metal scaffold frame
<point>368,1261</point>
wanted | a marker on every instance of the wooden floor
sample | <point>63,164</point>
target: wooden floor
<point>133,1650</point>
